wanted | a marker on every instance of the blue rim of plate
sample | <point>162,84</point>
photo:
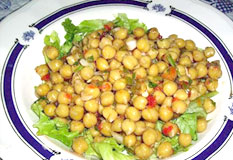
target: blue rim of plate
<point>15,119</point>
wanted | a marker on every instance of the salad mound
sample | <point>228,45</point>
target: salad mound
<point>118,90</point>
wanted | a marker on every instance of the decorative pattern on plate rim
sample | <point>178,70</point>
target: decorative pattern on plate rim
<point>231,109</point>
<point>28,35</point>
<point>158,8</point>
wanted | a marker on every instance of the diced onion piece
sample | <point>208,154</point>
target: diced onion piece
<point>145,94</point>
<point>131,44</point>
<point>84,62</point>
<point>118,137</point>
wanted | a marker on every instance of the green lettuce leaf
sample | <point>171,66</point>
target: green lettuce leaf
<point>195,106</point>
<point>175,144</point>
<point>53,128</point>
<point>187,123</point>
<point>52,40</point>
<point>159,125</point>
<point>123,21</point>
<point>108,149</point>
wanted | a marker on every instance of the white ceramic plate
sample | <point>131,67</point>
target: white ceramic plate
<point>21,43</point>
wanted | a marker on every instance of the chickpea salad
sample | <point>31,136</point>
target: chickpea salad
<point>118,90</point>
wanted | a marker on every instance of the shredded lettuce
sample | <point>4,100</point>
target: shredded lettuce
<point>123,21</point>
<point>108,149</point>
<point>53,128</point>
<point>188,121</point>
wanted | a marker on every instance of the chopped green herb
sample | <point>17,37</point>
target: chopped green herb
<point>129,80</point>
<point>90,59</point>
<point>134,76</point>
<point>152,85</point>
<point>190,81</point>
<point>125,70</point>
<point>76,63</point>
<point>79,68</point>
<point>154,61</point>
<point>171,60</point>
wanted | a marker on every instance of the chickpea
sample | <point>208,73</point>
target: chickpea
<point>170,129</point>
<point>201,125</point>
<point>164,43</point>
<point>165,113</point>
<point>140,102</point>
<point>102,64</point>
<point>145,61</point>
<point>180,42</point>
<point>94,42</point>
<point>185,139</point>
<point>159,96</point>
<point>181,94</point>
<point>201,88</point>
<point>55,65</point>
<point>119,84</point>
<point>128,126</point>
<point>91,106</point>
<point>201,70</point>
<point>108,52</point>
<point>42,70</point>
<point>122,96</point>
<point>89,120</point>
<point>142,151</point>
<point>120,55</point>
<point>118,43</point>
<point>133,114</point>
<point>143,45</point>
<point>153,70</point>
<point>79,86</point>
<point>51,52</point>
<point>79,145</point>
<point>214,72</point>
<point>137,54</point>
<point>76,126</point>
<point>198,55</point>
<point>209,105</point>
<point>98,139</point>
<point>185,61</point>
<point>58,87</point>
<point>104,42</point>
<point>121,108</point>
<point>162,53</point>
<point>86,73</point>
<point>140,73</point>
<point>56,78</point>
<point>94,132</point>
<point>153,53</point>
<point>122,33</point>
<point>162,66</point>
<point>139,32</point>
<point>42,89</point>
<point>167,102</point>
<point>64,98</point>
<point>116,125</point>
<point>211,84</point>
<point>209,52</point>
<point>169,88</point>
<point>130,62</point>
<point>76,112</point>
<point>107,98</point>
<point>193,93</point>
<point>49,110</point>
<point>140,128</point>
<point>129,140</point>
<point>106,128</point>
<point>66,71</point>
<point>190,45</point>
<point>62,110</point>
<point>153,34</point>
<point>109,114</point>
<point>179,106</point>
<point>114,75</point>
<point>181,69</point>
<point>114,64</point>
<point>68,89</point>
<point>164,150</point>
<point>90,92</point>
<point>192,73</point>
<point>150,114</point>
<point>149,136</point>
